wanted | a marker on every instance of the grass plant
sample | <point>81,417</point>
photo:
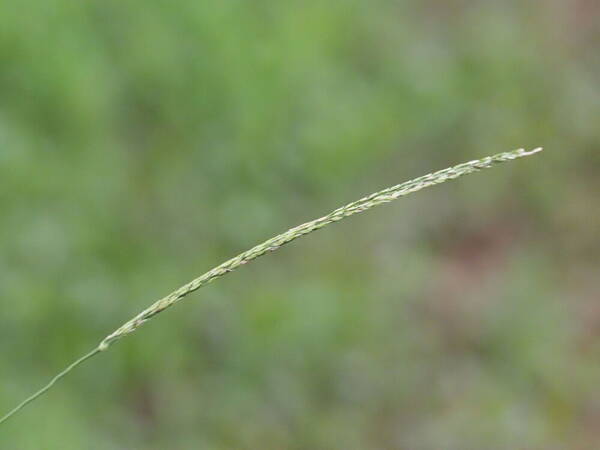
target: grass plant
<point>365,203</point>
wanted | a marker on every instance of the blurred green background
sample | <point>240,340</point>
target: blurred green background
<point>142,143</point>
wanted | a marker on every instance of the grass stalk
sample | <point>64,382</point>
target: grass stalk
<point>375,199</point>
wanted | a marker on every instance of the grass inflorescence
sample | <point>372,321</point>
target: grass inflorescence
<point>377,198</point>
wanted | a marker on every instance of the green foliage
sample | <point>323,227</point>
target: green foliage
<point>141,142</point>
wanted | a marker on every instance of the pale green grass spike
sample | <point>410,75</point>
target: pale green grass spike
<point>377,198</point>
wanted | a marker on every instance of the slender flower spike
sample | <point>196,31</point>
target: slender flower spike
<point>375,199</point>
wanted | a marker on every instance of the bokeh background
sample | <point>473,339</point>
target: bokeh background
<point>143,142</point>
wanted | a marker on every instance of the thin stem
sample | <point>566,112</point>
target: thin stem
<point>377,198</point>
<point>46,388</point>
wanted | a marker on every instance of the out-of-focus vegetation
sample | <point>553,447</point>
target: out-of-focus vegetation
<point>142,143</point>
